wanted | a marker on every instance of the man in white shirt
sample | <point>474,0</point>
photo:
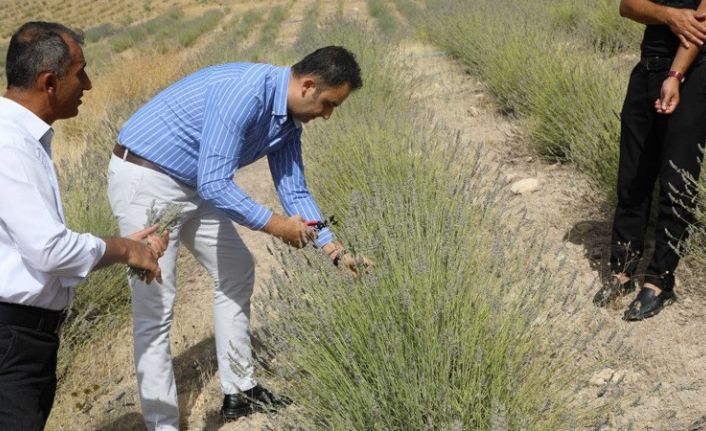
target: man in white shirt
<point>40,258</point>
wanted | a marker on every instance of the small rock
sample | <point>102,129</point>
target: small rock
<point>602,377</point>
<point>473,111</point>
<point>528,185</point>
<point>512,176</point>
<point>619,376</point>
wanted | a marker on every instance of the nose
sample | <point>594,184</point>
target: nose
<point>86,82</point>
<point>327,113</point>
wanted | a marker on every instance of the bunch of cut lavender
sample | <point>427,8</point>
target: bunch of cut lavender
<point>167,217</point>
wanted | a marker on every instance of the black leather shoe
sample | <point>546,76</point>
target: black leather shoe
<point>648,303</point>
<point>257,399</point>
<point>612,290</point>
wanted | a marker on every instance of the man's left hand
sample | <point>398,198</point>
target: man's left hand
<point>669,96</point>
<point>355,263</point>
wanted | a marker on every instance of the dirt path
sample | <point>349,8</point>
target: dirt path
<point>659,381</point>
<point>658,384</point>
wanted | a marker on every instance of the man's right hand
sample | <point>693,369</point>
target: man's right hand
<point>292,231</point>
<point>144,249</point>
<point>140,250</point>
<point>688,24</point>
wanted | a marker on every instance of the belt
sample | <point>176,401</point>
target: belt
<point>129,156</point>
<point>38,319</point>
<point>656,63</point>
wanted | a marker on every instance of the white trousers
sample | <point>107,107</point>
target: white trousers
<point>211,237</point>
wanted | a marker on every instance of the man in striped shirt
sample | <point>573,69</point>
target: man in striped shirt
<point>184,146</point>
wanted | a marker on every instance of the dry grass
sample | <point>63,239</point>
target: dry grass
<point>127,83</point>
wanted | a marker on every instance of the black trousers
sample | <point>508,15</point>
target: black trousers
<point>27,377</point>
<point>651,145</point>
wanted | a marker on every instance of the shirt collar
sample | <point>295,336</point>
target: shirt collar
<point>281,86</point>
<point>279,109</point>
<point>28,120</point>
<point>45,140</point>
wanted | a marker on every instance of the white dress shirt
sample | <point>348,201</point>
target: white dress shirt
<point>40,258</point>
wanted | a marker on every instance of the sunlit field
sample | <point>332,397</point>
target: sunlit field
<point>462,324</point>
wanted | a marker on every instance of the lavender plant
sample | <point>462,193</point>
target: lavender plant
<point>454,328</point>
<point>167,217</point>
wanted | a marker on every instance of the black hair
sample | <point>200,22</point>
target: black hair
<point>37,47</point>
<point>334,65</point>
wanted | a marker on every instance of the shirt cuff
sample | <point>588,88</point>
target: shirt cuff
<point>97,250</point>
<point>325,237</point>
<point>260,219</point>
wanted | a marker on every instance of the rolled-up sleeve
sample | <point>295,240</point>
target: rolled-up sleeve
<point>287,170</point>
<point>230,111</point>
<point>30,218</point>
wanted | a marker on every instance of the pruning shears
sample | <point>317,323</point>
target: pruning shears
<point>320,224</point>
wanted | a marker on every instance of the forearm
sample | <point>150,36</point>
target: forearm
<point>684,58</point>
<point>645,12</point>
<point>116,251</point>
<point>237,205</point>
<point>274,225</point>
<point>287,169</point>
<point>686,55</point>
<point>333,249</point>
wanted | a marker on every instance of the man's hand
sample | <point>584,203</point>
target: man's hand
<point>139,250</point>
<point>292,231</point>
<point>341,257</point>
<point>144,249</point>
<point>355,264</point>
<point>157,243</point>
<point>669,96</point>
<point>688,24</point>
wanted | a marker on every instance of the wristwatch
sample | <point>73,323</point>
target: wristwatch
<point>674,74</point>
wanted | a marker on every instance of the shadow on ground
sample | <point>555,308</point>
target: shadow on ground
<point>594,236</point>
<point>193,369</point>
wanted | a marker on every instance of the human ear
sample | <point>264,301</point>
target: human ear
<point>308,86</point>
<point>47,82</point>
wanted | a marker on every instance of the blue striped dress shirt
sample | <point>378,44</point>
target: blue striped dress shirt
<point>201,129</point>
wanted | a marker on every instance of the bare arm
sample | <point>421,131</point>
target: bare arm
<point>687,24</point>
<point>669,95</point>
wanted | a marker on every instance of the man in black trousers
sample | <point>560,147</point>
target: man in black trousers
<point>663,126</point>
<point>40,258</point>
